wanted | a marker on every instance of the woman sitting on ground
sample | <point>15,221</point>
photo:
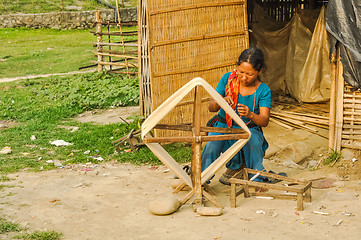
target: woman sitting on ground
<point>251,99</point>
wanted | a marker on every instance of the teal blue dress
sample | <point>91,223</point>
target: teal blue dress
<point>254,149</point>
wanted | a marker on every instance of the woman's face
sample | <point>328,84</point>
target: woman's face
<point>247,74</point>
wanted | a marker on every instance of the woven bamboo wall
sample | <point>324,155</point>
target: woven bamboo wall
<point>188,39</point>
<point>351,128</point>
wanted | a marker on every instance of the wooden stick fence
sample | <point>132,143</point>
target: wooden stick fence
<point>351,128</point>
<point>115,56</point>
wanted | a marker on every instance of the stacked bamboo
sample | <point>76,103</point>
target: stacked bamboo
<point>113,53</point>
<point>309,122</point>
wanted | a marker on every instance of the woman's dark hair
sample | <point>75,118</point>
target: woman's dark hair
<point>253,56</point>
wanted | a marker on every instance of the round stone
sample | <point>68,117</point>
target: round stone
<point>163,205</point>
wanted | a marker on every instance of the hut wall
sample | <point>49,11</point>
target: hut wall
<point>184,39</point>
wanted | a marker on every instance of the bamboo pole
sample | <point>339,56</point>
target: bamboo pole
<point>339,102</point>
<point>350,120</point>
<point>352,95</point>
<point>350,137</point>
<point>332,121</point>
<point>352,113</point>
<point>121,37</point>
<point>132,33</point>
<point>349,126</point>
<point>306,115</point>
<point>114,55</point>
<point>207,99</point>
<point>116,64</point>
<point>281,123</point>
<point>158,44</point>
<point>352,101</point>
<point>349,145</point>
<point>197,6</point>
<point>109,48</point>
<point>146,66</point>
<point>98,27</point>
<point>120,52</point>
<point>140,56</point>
<point>196,149</point>
<point>302,118</point>
<point>352,106</point>
<point>296,123</point>
<point>115,44</point>
<point>196,69</point>
<point>352,132</point>
<point>116,71</point>
<point>134,23</point>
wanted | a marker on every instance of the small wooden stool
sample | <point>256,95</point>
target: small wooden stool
<point>301,188</point>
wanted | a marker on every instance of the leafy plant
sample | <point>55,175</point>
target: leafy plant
<point>332,158</point>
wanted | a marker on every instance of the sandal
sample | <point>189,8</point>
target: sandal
<point>230,173</point>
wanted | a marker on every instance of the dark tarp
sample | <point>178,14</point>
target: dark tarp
<point>296,54</point>
<point>343,22</point>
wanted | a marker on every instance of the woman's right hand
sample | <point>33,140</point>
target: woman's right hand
<point>229,100</point>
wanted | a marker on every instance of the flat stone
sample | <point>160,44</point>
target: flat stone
<point>209,211</point>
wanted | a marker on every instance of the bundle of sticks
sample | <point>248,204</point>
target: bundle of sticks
<point>306,121</point>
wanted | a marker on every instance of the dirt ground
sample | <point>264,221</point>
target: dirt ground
<point>110,200</point>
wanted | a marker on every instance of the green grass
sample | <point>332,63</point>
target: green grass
<point>8,226</point>
<point>39,106</point>
<point>45,51</point>
<point>40,235</point>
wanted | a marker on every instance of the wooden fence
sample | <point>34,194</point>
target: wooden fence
<point>114,54</point>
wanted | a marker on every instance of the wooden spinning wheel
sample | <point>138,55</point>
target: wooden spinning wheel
<point>198,178</point>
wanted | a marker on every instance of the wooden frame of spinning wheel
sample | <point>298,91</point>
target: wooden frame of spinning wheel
<point>198,178</point>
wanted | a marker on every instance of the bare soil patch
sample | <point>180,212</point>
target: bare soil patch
<point>113,115</point>
<point>110,200</point>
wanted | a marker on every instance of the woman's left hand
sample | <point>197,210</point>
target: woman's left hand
<point>244,111</point>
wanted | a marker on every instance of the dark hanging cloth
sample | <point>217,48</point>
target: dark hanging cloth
<point>343,22</point>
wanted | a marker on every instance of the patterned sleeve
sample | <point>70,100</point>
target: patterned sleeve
<point>265,97</point>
